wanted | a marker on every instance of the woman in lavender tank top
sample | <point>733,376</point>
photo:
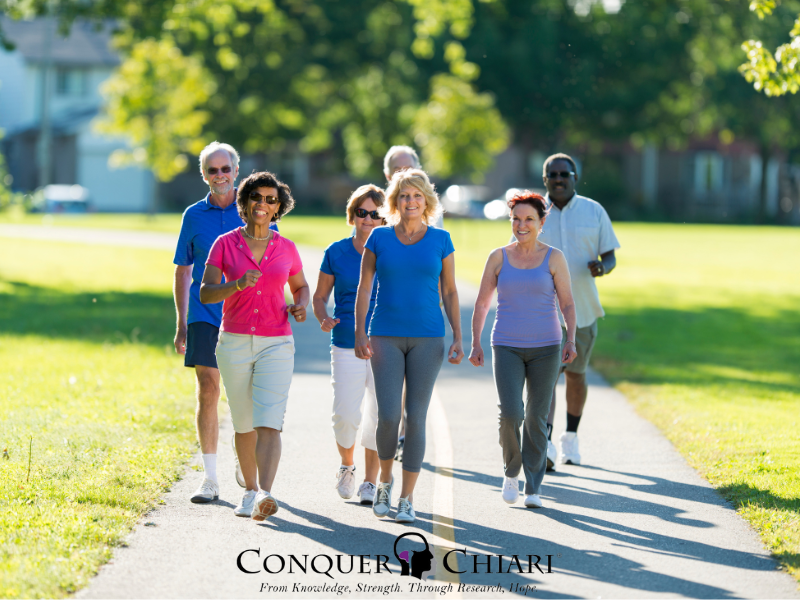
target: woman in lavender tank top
<point>530,277</point>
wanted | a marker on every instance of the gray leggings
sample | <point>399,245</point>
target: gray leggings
<point>417,360</point>
<point>512,368</point>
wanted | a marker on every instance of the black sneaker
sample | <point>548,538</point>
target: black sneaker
<point>398,456</point>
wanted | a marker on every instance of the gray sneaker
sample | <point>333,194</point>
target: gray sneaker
<point>207,492</point>
<point>383,499</point>
<point>239,475</point>
<point>405,512</point>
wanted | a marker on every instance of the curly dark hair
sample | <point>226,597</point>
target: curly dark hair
<point>264,179</point>
<point>532,199</point>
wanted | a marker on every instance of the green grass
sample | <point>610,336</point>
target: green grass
<point>90,376</point>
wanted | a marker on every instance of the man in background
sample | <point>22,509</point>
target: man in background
<point>582,230</point>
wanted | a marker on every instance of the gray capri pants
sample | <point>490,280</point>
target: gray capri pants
<point>539,368</point>
<point>418,361</point>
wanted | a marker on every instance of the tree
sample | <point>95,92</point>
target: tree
<point>775,73</point>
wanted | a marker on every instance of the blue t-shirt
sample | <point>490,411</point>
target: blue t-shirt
<point>408,283</point>
<point>343,262</point>
<point>201,225</point>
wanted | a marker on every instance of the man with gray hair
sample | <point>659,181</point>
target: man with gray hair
<point>400,158</point>
<point>198,324</point>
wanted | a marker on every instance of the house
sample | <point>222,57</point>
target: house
<point>79,63</point>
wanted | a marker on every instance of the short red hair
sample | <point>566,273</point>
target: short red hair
<point>534,200</point>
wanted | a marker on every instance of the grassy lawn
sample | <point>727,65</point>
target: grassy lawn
<point>89,376</point>
<point>702,334</point>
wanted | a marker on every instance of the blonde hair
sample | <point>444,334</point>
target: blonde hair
<point>418,179</point>
<point>361,195</point>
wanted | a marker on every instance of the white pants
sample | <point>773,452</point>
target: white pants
<point>350,378</point>
<point>256,372</point>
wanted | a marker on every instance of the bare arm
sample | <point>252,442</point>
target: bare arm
<point>212,291</point>
<point>488,285</point>
<point>605,265</point>
<point>362,346</point>
<point>560,272</point>
<point>300,293</point>
<point>180,291</point>
<point>447,280</point>
<point>319,303</point>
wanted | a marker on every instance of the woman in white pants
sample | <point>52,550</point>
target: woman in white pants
<point>351,377</point>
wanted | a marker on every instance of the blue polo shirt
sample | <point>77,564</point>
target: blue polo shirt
<point>343,261</point>
<point>201,225</point>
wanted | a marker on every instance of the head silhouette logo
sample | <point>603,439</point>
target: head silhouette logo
<point>418,562</point>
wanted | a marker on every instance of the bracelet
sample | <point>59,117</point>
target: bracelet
<point>237,285</point>
<point>570,342</point>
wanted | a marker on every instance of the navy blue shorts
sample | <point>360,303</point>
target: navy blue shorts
<point>201,345</point>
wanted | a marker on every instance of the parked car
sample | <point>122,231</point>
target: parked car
<point>60,198</point>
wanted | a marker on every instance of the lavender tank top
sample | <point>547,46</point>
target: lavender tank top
<point>526,307</point>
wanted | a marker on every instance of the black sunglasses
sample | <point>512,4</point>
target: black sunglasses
<point>256,197</point>
<point>362,213</point>
<point>215,170</point>
<point>562,174</point>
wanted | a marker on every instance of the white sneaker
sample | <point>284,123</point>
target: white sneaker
<point>207,492</point>
<point>551,456</point>
<point>569,448</point>
<point>511,490</point>
<point>367,492</point>
<point>245,508</point>
<point>239,475</point>
<point>264,505</point>
<point>383,499</point>
<point>405,512</point>
<point>533,501</point>
<point>346,482</point>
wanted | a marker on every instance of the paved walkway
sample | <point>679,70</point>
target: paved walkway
<point>634,521</point>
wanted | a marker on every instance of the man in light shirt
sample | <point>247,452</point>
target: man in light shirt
<point>581,229</point>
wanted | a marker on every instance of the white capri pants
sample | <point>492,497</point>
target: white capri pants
<point>350,378</point>
<point>256,372</point>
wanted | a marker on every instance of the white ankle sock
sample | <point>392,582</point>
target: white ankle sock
<point>210,466</point>
<point>348,467</point>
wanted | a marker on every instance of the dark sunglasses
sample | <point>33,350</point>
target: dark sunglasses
<point>362,213</point>
<point>256,197</point>
<point>215,170</point>
<point>562,174</point>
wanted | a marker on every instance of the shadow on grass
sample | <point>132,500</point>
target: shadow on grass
<point>708,346</point>
<point>115,317</point>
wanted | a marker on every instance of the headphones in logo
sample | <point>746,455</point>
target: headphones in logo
<point>419,563</point>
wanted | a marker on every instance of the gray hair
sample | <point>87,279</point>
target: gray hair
<point>213,147</point>
<point>394,151</point>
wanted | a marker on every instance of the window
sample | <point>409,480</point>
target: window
<point>708,172</point>
<point>71,82</point>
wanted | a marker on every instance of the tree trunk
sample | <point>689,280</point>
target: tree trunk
<point>761,215</point>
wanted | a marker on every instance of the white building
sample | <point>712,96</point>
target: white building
<point>81,62</point>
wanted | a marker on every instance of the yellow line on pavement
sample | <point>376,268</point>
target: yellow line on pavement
<point>443,531</point>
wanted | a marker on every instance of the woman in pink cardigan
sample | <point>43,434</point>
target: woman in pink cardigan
<point>255,351</point>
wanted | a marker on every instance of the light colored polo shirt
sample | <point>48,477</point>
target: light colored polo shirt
<point>582,231</point>
<point>261,309</point>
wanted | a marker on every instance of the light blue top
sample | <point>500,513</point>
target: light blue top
<point>526,314</point>
<point>408,283</point>
<point>343,262</point>
<point>201,225</point>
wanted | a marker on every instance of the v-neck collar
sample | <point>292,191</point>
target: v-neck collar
<point>245,249</point>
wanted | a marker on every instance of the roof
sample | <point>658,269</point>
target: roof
<point>84,46</point>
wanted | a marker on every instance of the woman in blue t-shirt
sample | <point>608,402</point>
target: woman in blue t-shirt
<point>350,376</point>
<point>406,332</point>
